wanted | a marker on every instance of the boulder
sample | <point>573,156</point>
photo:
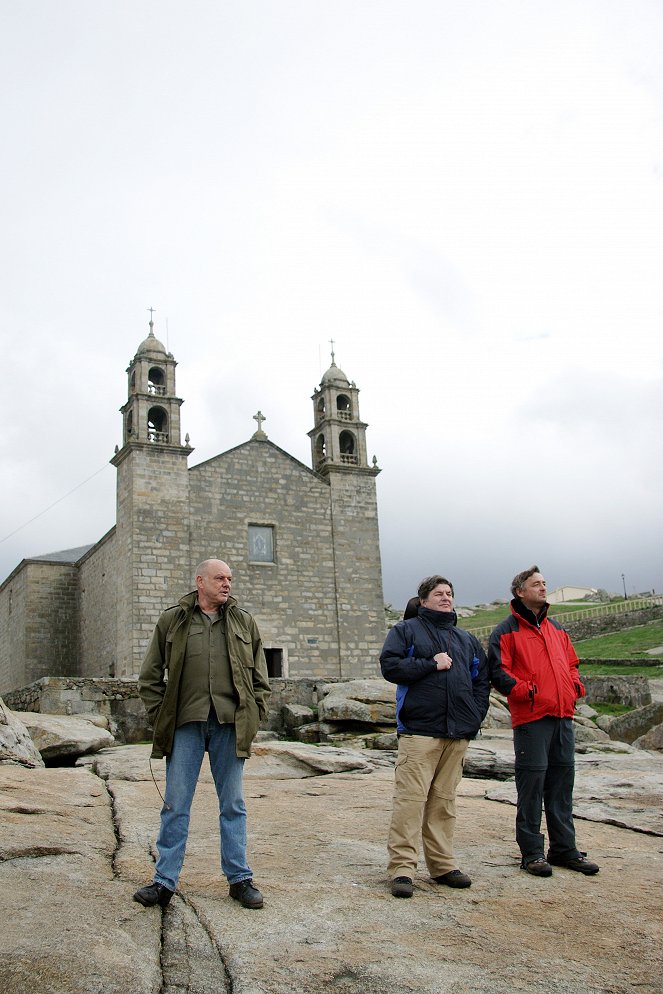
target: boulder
<point>16,745</point>
<point>284,760</point>
<point>366,701</point>
<point>586,731</point>
<point>632,725</point>
<point>60,736</point>
<point>653,739</point>
<point>296,715</point>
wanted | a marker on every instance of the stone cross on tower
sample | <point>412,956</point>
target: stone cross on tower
<point>331,342</point>
<point>259,417</point>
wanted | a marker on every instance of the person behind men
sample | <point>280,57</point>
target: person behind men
<point>441,673</point>
<point>213,699</point>
<point>533,663</point>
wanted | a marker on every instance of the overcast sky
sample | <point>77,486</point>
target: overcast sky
<point>466,196</point>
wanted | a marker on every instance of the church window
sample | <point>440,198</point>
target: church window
<point>130,422</point>
<point>346,441</point>
<point>261,544</point>
<point>156,381</point>
<point>157,425</point>
<point>344,407</point>
<point>321,409</point>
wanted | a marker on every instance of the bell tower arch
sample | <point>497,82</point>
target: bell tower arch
<point>152,531</point>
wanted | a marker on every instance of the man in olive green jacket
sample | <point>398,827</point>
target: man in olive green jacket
<point>205,687</point>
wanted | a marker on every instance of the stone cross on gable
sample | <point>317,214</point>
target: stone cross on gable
<point>259,417</point>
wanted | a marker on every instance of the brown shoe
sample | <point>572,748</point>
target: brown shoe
<point>538,867</point>
<point>454,878</point>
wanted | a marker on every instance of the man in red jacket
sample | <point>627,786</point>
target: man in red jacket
<point>533,662</point>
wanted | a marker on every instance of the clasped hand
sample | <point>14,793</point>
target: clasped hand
<point>443,660</point>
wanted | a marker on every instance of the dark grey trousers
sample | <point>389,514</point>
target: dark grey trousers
<point>545,771</point>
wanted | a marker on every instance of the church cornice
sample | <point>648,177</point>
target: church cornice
<point>133,446</point>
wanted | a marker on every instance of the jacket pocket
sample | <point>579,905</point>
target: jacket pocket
<point>244,649</point>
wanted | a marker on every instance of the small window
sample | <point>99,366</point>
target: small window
<point>274,659</point>
<point>261,544</point>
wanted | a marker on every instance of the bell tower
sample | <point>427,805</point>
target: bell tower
<point>338,454</point>
<point>152,532</point>
<point>339,436</point>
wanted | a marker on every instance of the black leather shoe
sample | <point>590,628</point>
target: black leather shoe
<point>153,894</point>
<point>402,887</point>
<point>247,895</point>
<point>454,878</point>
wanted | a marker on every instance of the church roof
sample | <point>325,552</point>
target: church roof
<point>151,344</point>
<point>335,375</point>
<point>65,556</point>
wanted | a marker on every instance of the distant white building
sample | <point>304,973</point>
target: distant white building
<point>568,593</point>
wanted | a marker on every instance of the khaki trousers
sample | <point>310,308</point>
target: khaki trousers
<point>428,772</point>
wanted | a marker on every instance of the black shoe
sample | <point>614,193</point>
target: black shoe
<point>537,867</point>
<point>455,878</point>
<point>579,863</point>
<point>153,894</point>
<point>402,887</point>
<point>247,895</point>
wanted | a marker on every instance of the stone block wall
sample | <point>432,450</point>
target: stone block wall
<point>358,572</point>
<point>587,628</point>
<point>98,609</point>
<point>115,699</point>
<point>13,607</point>
<point>153,566</point>
<point>118,700</point>
<point>40,612</point>
<point>293,599</point>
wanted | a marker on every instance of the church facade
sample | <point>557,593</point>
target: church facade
<point>303,544</point>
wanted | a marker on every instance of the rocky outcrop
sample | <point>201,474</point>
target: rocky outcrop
<point>653,739</point>
<point>16,745</point>
<point>76,843</point>
<point>61,737</point>
<point>632,725</point>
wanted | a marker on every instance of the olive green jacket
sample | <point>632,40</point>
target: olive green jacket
<point>161,672</point>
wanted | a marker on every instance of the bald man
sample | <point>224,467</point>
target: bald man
<point>205,688</point>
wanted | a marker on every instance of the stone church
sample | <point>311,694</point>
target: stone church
<point>303,544</point>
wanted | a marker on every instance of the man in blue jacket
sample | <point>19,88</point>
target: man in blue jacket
<point>442,695</point>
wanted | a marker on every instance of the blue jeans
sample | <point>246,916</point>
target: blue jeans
<point>182,771</point>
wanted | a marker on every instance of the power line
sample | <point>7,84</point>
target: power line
<point>58,501</point>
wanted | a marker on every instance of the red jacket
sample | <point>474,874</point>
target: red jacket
<point>534,664</point>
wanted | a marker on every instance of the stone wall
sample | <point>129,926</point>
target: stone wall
<point>118,700</point>
<point>293,598</point>
<point>588,628</point>
<point>115,699</point>
<point>152,563</point>
<point>40,623</point>
<point>98,599</point>
<point>358,572</point>
<point>13,606</point>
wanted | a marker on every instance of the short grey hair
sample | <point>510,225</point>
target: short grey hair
<point>520,579</point>
<point>429,583</point>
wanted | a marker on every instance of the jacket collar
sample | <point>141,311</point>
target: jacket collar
<point>519,609</point>
<point>189,601</point>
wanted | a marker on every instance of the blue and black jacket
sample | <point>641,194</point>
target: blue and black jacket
<point>449,704</point>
